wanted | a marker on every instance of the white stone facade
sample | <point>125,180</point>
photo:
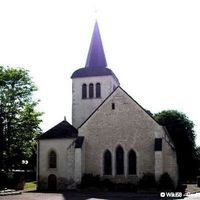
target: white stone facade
<point>82,108</point>
<point>129,126</point>
<point>64,170</point>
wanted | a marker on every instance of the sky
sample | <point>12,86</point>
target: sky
<point>153,47</point>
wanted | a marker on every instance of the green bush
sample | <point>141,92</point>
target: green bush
<point>89,180</point>
<point>165,182</point>
<point>11,180</point>
<point>19,182</point>
<point>106,184</point>
<point>125,187</point>
<point>3,180</point>
<point>147,181</point>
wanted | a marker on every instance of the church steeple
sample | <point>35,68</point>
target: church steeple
<point>92,83</point>
<point>96,56</point>
<point>96,64</point>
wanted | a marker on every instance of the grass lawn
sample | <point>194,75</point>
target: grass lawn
<point>30,185</point>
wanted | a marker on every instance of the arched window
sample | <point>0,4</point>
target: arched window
<point>119,160</point>
<point>107,163</point>
<point>52,159</point>
<point>91,90</point>
<point>84,91</point>
<point>132,162</point>
<point>98,90</point>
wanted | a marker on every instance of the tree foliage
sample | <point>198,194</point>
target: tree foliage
<point>181,130</point>
<point>19,121</point>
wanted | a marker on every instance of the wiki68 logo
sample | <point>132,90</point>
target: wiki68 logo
<point>171,194</point>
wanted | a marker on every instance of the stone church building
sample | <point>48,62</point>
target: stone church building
<point>111,134</point>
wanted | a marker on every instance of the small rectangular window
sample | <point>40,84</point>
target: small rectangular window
<point>113,106</point>
<point>158,144</point>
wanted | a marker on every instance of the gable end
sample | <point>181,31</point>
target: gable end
<point>109,97</point>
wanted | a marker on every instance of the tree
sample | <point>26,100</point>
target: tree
<point>181,130</point>
<point>19,120</point>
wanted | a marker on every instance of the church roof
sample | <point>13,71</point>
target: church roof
<point>61,130</point>
<point>96,56</point>
<point>96,64</point>
<point>87,72</point>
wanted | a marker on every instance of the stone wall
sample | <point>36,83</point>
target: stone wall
<point>82,108</point>
<point>127,125</point>
<point>65,162</point>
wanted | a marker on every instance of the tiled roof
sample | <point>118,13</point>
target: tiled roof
<point>87,72</point>
<point>61,130</point>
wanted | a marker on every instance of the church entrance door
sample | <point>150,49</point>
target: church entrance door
<point>52,182</point>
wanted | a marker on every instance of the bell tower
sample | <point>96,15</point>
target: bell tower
<point>93,83</point>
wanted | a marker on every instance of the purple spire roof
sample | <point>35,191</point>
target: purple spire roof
<point>96,60</point>
<point>96,56</point>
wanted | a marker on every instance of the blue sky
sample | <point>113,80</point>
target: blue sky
<point>152,46</point>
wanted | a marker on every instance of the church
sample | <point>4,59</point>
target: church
<point>111,135</point>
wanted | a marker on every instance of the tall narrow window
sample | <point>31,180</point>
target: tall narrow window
<point>119,160</point>
<point>98,90</point>
<point>52,159</point>
<point>107,162</point>
<point>91,90</point>
<point>131,162</point>
<point>84,91</point>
